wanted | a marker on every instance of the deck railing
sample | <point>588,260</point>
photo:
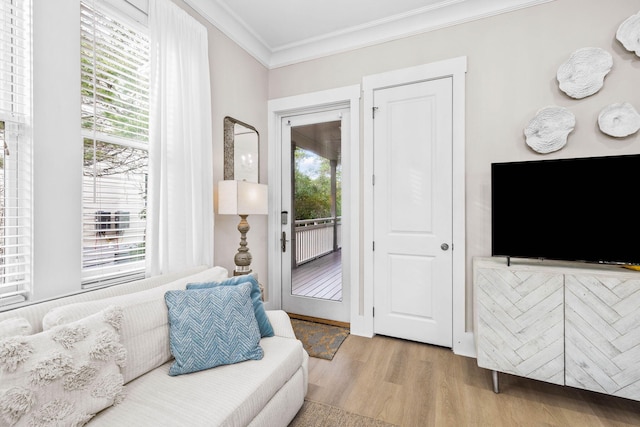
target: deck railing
<point>316,237</point>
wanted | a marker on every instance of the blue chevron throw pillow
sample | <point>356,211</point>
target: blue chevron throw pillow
<point>212,327</point>
<point>266,330</point>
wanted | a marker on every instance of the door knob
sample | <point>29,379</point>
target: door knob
<point>444,246</point>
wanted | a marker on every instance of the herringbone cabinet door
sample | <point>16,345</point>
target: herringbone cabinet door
<point>603,334</point>
<point>521,322</point>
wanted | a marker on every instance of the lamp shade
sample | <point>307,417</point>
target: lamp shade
<point>242,198</point>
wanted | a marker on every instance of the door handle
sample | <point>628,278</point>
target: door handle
<point>283,241</point>
<point>444,246</point>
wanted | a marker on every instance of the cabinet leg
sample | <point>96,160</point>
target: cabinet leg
<point>494,377</point>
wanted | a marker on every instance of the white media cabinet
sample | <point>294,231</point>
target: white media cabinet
<point>565,323</point>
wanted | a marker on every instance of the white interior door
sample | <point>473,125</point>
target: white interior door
<point>311,251</point>
<point>413,211</point>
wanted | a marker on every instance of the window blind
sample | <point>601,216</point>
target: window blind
<point>15,60</point>
<point>115,117</point>
<point>15,151</point>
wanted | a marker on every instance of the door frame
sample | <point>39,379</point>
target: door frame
<point>345,97</point>
<point>456,68</point>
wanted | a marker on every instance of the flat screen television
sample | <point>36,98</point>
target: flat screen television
<point>582,209</point>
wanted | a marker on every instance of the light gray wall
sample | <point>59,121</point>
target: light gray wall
<point>512,64</point>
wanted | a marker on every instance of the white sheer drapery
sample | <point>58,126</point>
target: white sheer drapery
<point>180,205</point>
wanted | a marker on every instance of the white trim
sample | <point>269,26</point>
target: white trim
<point>349,97</point>
<point>443,14</point>
<point>456,68</point>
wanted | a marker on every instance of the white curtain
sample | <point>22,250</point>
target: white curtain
<point>180,205</point>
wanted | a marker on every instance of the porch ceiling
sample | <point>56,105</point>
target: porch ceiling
<point>322,139</point>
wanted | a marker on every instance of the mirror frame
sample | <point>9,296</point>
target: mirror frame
<point>229,147</point>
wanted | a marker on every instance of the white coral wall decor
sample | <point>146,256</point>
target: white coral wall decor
<point>549,129</point>
<point>619,120</point>
<point>629,33</point>
<point>584,72</point>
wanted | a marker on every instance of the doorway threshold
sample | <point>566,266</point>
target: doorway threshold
<point>319,320</point>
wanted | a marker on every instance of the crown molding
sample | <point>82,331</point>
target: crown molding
<point>444,14</point>
<point>234,28</point>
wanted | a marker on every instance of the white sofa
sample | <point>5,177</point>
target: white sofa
<point>266,392</point>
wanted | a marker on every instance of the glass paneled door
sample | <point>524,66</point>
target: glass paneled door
<point>312,269</point>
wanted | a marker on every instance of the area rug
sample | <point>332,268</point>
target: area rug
<point>320,340</point>
<point>314,414</point>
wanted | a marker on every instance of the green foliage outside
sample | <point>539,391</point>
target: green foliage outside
<point>313,186</point>
<point>115,82</point>
<point>115,101</point>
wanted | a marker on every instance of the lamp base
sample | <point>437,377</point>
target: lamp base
<point>242,259</point>
<point>239,271</point>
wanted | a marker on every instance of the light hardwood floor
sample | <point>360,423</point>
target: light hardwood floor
<point>412,384</point>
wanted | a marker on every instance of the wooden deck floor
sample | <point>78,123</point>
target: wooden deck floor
<point>320,278</point>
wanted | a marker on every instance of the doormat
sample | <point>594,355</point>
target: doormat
<point>320,340</point>
<point>315,414</point>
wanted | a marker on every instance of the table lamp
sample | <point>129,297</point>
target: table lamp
<point>242,198</point>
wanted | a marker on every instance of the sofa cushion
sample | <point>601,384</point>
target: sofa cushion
<point>35,311</point>
<point>256,297</point>
<point>230,395</point>
<point>145,335</point>
<point>15,326</point>
<point>69,313</point>
<point>212,327</point>
<point>145,330</point>
<point>62,376</point>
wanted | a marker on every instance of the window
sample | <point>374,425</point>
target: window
<point>115,116</point>
<point>15,150</point>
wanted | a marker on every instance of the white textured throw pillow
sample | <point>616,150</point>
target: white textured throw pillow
<point>145,330</point>
<point>15,326</point>
<point>63,376</point>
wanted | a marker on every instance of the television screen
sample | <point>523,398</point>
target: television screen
<point>581,209</point>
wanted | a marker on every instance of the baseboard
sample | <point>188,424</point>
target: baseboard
<point>465,346</point>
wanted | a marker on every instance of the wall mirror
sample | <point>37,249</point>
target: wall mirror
<point>241,158</point>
